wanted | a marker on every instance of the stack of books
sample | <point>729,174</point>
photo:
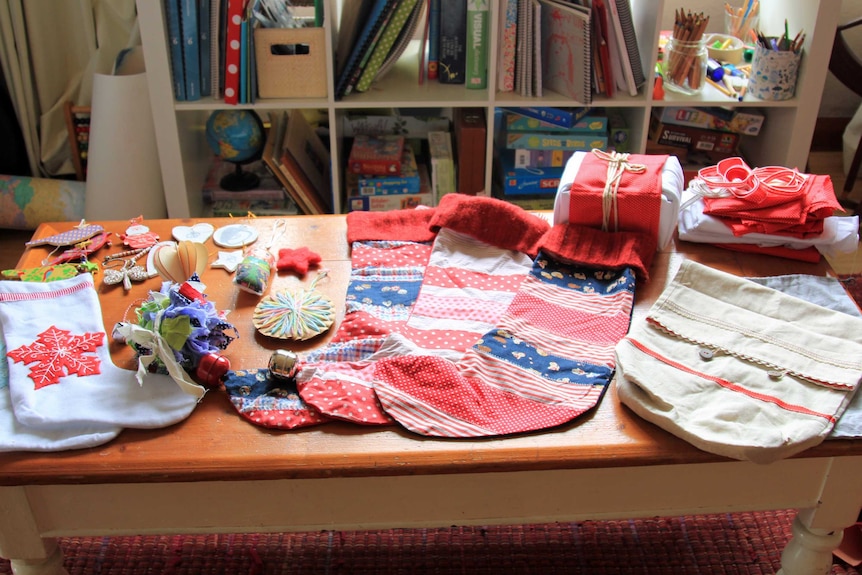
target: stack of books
<point>383,174</point>
<point>268,198</point>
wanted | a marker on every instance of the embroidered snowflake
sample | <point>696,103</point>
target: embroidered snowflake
<point>59,353</point>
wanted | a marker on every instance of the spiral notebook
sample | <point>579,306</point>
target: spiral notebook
<point>372,30</point>
<point>624,11</point>
<point>566,41</point>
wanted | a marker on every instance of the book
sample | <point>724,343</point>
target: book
<point>624,14</point>
<point>408,33</point>
<point>433,38</point>
<point>470,136</point>
<point>232,42</point>
<point>566,47</point>
<point>623,58</point>
<point>443,177</point>
<point>453,39</point>
<point>477,34</point>
<point>353,16</point>
<point>269,187</point>
<point>376,154</point>
<point>601,51</point>
<point>563,117</point>
<point>216,10</point>
<point>390,34</point>
<point>575,141</point>
<point>371,31</point>
<point>507,36</point>
<point>536,50</point>
<point>175,45</point>
<point>521,48</point>
<point>304,147</point>
<point>271,156</point>
<point>406,182</point>
<point>204,7</point>
<point>191,49</point>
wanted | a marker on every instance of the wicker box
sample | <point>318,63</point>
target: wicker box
<point>291,62</point>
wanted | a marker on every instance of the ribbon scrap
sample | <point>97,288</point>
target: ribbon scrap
<point>618,164</point>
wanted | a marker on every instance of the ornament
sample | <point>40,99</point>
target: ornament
<point>130,271</point>
<point>177,263</point>
<point>200,232</point>
<point>283,364</point>
<point>255,269</point>
<point>228,260</point>
<point>212,369</point>
<point>235,236</point>
<point>297,316</point>
<point>78,234</point>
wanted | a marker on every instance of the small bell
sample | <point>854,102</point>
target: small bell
<point>283,363</point>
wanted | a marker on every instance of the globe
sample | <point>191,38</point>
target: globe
<point>236,136</point>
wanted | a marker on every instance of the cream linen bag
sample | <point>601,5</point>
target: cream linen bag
<point>739,369</point>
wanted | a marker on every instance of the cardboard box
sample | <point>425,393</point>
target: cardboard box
<point>520,182</point>
<point>746,121</point>
<point>693,138</point>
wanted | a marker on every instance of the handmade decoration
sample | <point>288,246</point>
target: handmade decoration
<point>297,316</point>
<point>199,232</point>
<point>49,273</point>
<point>138,235</point>
<point>228,260</point>
<point>255,269</point>
<point>128,270</point>
<point>297,261</point>
<point>79,233</point>
<point>83,249</point>
<point>177,327</point>
<point>178,262</point>
<point>263,399</point>
<point>235,236</point>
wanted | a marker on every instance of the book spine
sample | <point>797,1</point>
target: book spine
<point>175,44</point>
<point>232,41</point>
<point>213,56</point>
<point>453,38</point>
<point>364,45</point>
<point>507,39</point>
<point>204,50</point>
<point>384,45</point>
<point>470,135</point>
<point>191,52</point>
<point>433,38</point>
<point>624,10</point>
<point>477,44</point>
<point>442,164</point>
<point>573,142</point>
<point>243,61</point>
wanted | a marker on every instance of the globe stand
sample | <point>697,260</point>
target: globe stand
<point>239,180</point>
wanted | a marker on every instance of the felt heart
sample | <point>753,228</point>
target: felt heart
<point>197,233</point>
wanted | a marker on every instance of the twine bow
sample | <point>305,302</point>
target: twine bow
<point>618,163</point>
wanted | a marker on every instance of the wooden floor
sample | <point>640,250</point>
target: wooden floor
<point>825,162</point>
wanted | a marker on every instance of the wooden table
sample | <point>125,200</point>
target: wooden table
<point>215,472</point>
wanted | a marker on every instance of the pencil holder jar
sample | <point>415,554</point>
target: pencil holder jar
<point>773,73</point>
<point>684,69</point>
<point>739,24</point>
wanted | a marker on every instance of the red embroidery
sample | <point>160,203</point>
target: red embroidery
<point>59,353</point>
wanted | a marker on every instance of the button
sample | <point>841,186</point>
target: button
<point>775,374</point>
<point>706,354</point>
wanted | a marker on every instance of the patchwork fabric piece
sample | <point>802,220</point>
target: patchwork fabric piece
<point>61,376</point>
<point>548,360</point>
<point>740,369</point>
<point>384,283</point>
<point>269,401</point>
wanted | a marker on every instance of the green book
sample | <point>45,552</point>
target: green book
<point>381,50</point>
<point>477,44</point>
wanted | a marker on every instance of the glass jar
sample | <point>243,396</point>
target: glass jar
<point>684,65</point>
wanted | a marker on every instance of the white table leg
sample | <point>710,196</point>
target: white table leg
<point>810,551</point>
<point>20,540</point>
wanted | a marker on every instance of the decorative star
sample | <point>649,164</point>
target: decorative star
<point>297,261</point>
<point>228,260</point>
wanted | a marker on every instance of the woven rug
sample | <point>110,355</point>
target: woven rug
<point>738,543</point>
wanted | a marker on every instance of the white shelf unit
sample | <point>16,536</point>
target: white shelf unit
<point>785,139</point>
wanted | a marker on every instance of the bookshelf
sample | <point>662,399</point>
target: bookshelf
<point>785,139</point>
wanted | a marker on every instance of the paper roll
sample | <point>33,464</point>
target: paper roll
<point>124,178</point>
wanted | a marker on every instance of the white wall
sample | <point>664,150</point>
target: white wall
<point>837,101</point>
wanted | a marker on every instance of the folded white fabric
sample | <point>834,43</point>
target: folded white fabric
<point>672,186</point>
<point>840,233</point>
<point>739,369</point>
